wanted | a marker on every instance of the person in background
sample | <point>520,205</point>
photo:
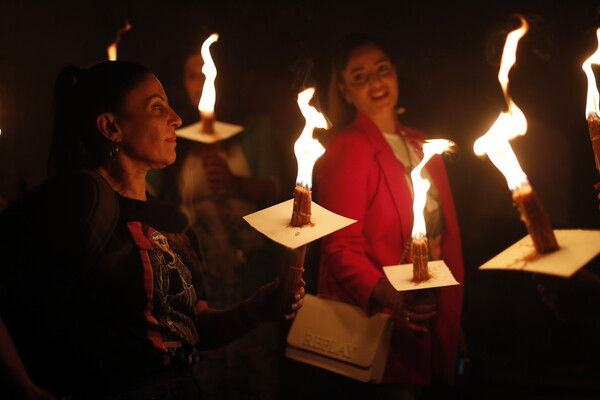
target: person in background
<point>575,299</point>
<point>216,185</point>
<point>365,175</point>
<point>101,284</point>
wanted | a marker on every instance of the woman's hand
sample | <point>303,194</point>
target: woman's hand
<point>416,306</point>
<point>263,306</point>
<point>218,174</point>
<point>571,299</point>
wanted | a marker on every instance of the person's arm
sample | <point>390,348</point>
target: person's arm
<point>345,186</point>
<point>219,176</point>
<point>416,306</point>
<point>218,328</point>
<point>265,190</point>
<point>571,299</point>
<point>12,370</point>
<point>343,177</point>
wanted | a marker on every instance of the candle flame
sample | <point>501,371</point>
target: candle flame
<point>509,124</point>
<point>112,48</point>
<point>207,100</point>
<point>593,97</point>
<point>421,185</point>
<point>307,149</point>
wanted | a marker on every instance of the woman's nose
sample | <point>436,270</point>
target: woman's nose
<point>374,79</point>
<point>175,119</point>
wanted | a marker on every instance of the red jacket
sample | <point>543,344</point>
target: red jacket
<point>359,177</point>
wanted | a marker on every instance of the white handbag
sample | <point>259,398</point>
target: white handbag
<point>341,338</point>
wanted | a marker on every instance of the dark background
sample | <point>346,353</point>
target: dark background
<point>448,63</point>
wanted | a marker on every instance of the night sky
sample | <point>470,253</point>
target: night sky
<point>448,58</point>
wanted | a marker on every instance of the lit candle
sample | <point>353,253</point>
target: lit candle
<point>591,109</point>
<point>206,105</point>
<point>307,151</point>
<point>112,48</point>
<point>419,246</point>
<point>495,144</point>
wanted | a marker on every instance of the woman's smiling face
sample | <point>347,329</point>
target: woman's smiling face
<point>369,80</point>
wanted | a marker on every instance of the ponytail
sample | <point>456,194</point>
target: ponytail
<point>80,96</point>
<point>65,147</point>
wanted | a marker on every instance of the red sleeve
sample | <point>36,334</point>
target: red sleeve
<point>346,176</point>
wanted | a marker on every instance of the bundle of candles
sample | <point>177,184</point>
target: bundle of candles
<point>419,245</point>
<point>420,256</point>
<point>593,100</point>
<point>495,144</point>
<point>301,211</point>
<point>307,151</point>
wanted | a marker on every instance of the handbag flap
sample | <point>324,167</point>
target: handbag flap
<point>338,330</point>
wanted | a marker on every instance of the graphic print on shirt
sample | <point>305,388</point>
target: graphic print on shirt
<point>174,295</point>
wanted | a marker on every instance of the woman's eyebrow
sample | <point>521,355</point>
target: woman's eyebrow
<point>158,96</point>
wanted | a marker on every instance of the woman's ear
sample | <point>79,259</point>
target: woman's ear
<point>107,125</point>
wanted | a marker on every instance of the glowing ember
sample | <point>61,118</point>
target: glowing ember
<point>509,124</point>
<point>112,49</point>
<point>421,185</point>
<point>206,106</point>
<point>307,149</point>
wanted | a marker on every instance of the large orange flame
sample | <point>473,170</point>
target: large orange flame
<point>307,149</point>
<point>421,185</point>
<point>208,98</point>
<point>593,97</point>
<point>509,124</point>
<point>112,49</point>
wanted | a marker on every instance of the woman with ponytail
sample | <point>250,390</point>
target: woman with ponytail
<point>101,285</point>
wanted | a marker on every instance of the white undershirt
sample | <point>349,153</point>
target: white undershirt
<point>408,156</point>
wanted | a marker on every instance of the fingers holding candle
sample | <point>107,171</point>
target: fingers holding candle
<point>416,306</point>
<point>298,300</point>
<point>291,276</point>
<point>263,305</point>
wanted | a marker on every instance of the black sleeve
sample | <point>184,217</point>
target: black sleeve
<point>54,222</point>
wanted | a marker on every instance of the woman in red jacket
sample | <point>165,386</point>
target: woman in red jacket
<point>365,175</point>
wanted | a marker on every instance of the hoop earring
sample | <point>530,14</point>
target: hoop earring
<point>112,155</point>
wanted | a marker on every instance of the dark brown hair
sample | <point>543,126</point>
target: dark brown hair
<point>80,95</point>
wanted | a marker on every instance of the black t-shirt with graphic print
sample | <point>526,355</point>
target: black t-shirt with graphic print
<point>97,324</point>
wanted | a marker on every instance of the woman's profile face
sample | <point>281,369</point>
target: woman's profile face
<point>193,78</point>
<point>148,124</point>
<point>369,81</point>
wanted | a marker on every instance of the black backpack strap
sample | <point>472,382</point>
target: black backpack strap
<point>103,215</point>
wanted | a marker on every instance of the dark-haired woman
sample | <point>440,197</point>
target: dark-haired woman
<point>102,284</point>
<point>365,175</point>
